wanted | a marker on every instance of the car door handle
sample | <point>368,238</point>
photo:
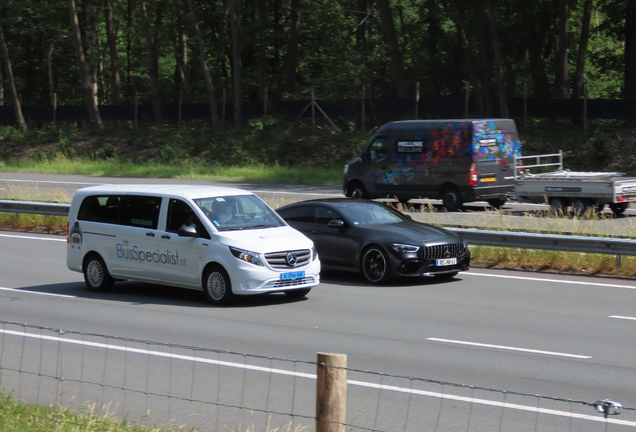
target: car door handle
<point>165,236</point>
<point>150,234</point>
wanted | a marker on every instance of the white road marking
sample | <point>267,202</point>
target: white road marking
<point>33,238</point>
<point>569,414</point>
<point>509,348</point>
<point>551,280</point>
<point>36,292</point>
<point>622,317</point>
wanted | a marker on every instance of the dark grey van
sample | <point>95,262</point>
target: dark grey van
<point>456,161</point>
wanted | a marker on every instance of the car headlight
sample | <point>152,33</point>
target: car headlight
<point>405,248</point>
<point>247,256</point>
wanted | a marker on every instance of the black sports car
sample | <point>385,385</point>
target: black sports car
<point>377,240</point>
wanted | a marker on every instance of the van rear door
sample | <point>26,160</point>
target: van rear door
<point>495,143</point>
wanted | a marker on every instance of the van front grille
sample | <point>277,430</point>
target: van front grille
<point>288,259</point>
<point>451,250</point>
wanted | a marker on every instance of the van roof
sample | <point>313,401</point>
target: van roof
<point>184,191</point>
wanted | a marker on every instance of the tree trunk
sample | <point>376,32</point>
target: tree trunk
<point>390,36</point>
<point>561,88</point>
<point>501,85</point>
<point>17,106</point>
<point>204,66</point>
<point>96,125</point>
<point>630,50</point>
<point>182,74</point>
<point>152,63</point>
<point>111,39</point>
<point>235,7</point>
<point>262,50</point>
<point>577,91</point>
<point>290,63</point>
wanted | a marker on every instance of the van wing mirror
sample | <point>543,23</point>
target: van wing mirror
<point>187,231</point>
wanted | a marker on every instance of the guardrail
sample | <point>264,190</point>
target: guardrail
<point>567,243</point>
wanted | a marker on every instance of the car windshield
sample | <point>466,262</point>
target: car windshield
<point>371,213</point>
<point>238,212</point>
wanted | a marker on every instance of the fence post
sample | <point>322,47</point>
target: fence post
<point>331,392</point>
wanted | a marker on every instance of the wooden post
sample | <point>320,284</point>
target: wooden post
<point>417,100</point>
<point>331,393</point>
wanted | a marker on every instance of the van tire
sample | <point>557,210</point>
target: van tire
<point>357,190</point>
<point>451,199</point>
<point>217,286</point>
<point>375,265</point>
<point>96,274</point>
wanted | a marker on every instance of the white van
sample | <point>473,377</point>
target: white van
<point>223,241</point>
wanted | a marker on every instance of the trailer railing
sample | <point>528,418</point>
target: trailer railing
<point>539,162</point>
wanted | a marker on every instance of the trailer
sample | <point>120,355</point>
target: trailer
<point>563,189</point>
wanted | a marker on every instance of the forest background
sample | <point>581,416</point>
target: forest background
<point>123,52</point>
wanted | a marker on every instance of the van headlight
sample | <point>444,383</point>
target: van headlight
<point>405,248</point>
<point>247,256</point>
<point>314,253</point>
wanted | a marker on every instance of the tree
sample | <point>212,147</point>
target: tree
<point>561,82</point>
<point>395,55</point>
<point>111,40</point>
<point>288,73</point>
<point>151,55</point>
<point>630,50</point>
<point>17,106</point>
<point>96,125</point>
<point>237,67</point>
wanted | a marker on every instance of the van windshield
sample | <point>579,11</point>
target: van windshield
<point>239,212</point>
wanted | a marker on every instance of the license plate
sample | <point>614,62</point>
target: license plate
<point>488,179</point>
<point>446,261</point>
<point>292,275</point>
<point>632,197</point>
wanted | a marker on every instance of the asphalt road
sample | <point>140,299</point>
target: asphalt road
<point>551,335</point>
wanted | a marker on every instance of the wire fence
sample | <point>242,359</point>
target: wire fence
<point>150,383</point>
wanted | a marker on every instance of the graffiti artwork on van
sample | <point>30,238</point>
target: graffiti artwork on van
<point>491,143</point>
<point>413,159</point>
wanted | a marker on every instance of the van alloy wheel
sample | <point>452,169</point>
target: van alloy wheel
<point>96,274</point>
<point>217,286</point>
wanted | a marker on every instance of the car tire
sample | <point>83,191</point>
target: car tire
<point>357,190</point>
<point>618,208</point>
<point>451,199</point>
<point>217,286</point>
<point>375,265</point>
<point>96,274</point>
<point>446,276</point>
<point>298,292</point>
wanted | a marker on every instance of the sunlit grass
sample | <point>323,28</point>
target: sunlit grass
<point>16,416</point>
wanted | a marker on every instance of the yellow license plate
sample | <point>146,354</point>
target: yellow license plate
<point>632,197</point>
<point>488,179</point>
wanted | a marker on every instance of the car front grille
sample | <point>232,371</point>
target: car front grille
<point>278,260</point>
<point>451,250</point>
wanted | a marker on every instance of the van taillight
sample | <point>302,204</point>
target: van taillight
<point>68,240</point>
<point>472,175</point>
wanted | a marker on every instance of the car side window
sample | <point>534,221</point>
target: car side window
<point>379,148</point>
<point>323,216</point>
<point>301,214</point>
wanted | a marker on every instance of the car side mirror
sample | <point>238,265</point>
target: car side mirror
<point>336,223</point>
<point>187,231</point>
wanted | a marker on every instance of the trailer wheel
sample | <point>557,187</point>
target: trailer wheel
<point>497,203</point>
<point>451,199</point>
<point>618,208</point>
<point>557,206</point>
<point>580,206</point>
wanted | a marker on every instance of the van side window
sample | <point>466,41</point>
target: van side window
<point>103,209</point>
<point>179,214</point>
<point>379,148</point>
<point>140,211</point>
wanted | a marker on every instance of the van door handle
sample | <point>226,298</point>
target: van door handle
<point>150,234</point>
<point>165,236</point>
